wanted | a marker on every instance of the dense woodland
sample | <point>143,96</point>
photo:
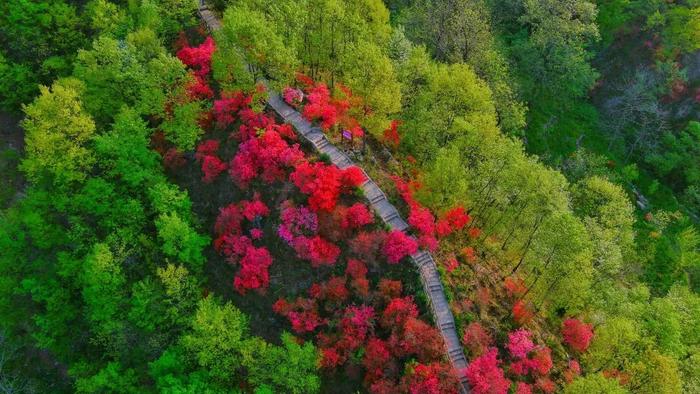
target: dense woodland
<point>161,230</point>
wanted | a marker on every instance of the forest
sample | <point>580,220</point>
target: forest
<point>350,196</point>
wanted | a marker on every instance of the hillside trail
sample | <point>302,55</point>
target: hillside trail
<point>423,260</point>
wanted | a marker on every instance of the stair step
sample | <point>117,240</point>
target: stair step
<point>422,257</point>
<point>391,216</point>
<point>375,199</point>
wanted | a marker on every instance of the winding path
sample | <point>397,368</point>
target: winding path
<point>423,260</point>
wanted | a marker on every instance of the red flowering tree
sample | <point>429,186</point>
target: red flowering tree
<point>296,222</point>
<point>474,232</point>
<point>254,208</point>
<point>333,290</point>
<point>417,338</point>
<point>198,88</point>
<point>542,361</point>
<point>198,58</point>
<point>577,334</point>
<point>317,250</point>
<point>389,289</point>
<point>321,107</point>
<point>434,378</point>
<point>226,108</point>
<point>267,155</point>
<point>302,314</point>
<point>397,312</point>
<point>254,270</point>
<point>546,385</point>
<point>454,220</point>
<point>330,358</point>
<point>398,245</point>
<point>391,135</point>
<point>292,96</point>
<point>451,263</point>
<point>212,166</point>
<point>366,245</point>
<point>572,372</point>
<point>423,220</point>
<point>357,216</point>
<point>376,360</point>
<point>173,159</point>
<point>523,388</point>
<point>476,339</point>
<point>207,148</point>
<point>520,343</point>
<point>485,376</point>
<point>469,254</point>
<point>324,183</point>
<point>357,270</point>
<point>515,287</point>
<point>521,312</point>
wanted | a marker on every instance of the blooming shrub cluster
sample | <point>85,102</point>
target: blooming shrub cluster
<point>226,108</point>
<point>358,323</point>
<point>399,245</point>
<point>577,334</point>
<point>324,183</point>
<point>267,156</point>
<point>527,364</point>
<point>391,135</point>
<point>239,248</point>
<point>424,222</point>
<point>292,96</point>
<point>323,107</point>
<point>199,59</point>
<point>388,331</point>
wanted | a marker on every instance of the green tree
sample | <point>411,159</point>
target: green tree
<point>57,132</point>
<point>180,240</point>
<point>291,367</point>
<point>675,159</point>
<point>445,182</point>
<point>217,337</point>
<point>674,254</point>
<point>177,15</point>
<point>123,152</point>
<point>105,17</point>
<point>594,384</point>
<point>459,31</point>
<point>104,290</point>
<point>113,77</point>
<point>454,102</point>
<point>38,40</point>
<point>266,52</point>
<point>166,197</point>
<point>553,59</point>
<point>616,344</point>
<point>655,373</point>
<point>182,128</point>
<point>113,378</point>
<point>180,293</point>
<point>171,376</point>
<point>370,75</point>
<point>18,84</point>
<point>608,216</point>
